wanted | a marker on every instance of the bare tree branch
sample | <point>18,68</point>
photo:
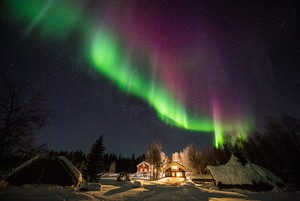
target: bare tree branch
<point>21,116</point>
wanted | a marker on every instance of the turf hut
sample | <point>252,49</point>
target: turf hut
<point>244,175</point>
<point>45,169</point>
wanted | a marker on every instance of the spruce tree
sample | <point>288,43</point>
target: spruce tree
<point>94,163</point>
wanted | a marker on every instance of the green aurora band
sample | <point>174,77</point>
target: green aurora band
<point>107,59</point>
<point>57,20</point>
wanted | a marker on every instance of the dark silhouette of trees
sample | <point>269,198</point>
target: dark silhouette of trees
<point>76,157</point>
<point>112,163</point>
<point>110,159</point>
<point>122,163</point>
<point>94,164</point>
<point>277,149</point>
<point>21,116</point>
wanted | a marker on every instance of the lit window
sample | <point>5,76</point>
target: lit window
<point>178,174</point>
<point>175,167</point>
<point>141,170</point>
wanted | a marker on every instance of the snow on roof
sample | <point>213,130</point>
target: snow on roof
<point>234,173</point>
<point>144,163</point>
<point>72,168</point>
<point>25,164</point>
<point>66,162</point>
<point>177,164</point>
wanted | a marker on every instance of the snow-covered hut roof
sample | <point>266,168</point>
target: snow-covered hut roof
<point>47,169</point>
<point>234,173</point>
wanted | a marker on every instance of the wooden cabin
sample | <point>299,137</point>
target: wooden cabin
<point>175,169</point>
<point>143,168</point>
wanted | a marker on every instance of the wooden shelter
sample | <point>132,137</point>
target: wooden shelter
<point>175,169</point>
<point>45,169</point>
<point>143,167</point>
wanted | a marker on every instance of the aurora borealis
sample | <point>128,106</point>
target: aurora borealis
<point>156,83</point>
<point>197,72</point>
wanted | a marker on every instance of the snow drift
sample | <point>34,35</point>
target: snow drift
<point>249,176</point>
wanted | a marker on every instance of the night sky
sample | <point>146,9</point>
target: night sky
<point>177,72</point>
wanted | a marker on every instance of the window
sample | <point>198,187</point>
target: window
<point>178,174</point>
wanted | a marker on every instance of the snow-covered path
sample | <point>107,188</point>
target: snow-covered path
<point>152,190</point>
<point>40,193</point>
<point>184,192</point>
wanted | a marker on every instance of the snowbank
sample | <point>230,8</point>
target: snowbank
<point>152,190</point>
<point>234,173</point>
<point>94,187</point>
<point>85,186</point>
<point>137,184</point>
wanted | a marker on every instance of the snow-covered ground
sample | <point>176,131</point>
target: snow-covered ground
<point>164,189</point>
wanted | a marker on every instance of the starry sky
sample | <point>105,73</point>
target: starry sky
<point>178,72</point>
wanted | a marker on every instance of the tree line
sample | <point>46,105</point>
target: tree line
<point>112,163</point>
<point>276,149</point>
<point>22,114</point>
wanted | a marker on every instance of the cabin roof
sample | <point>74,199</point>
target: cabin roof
<point>144,163</point>
<point>176,163</point>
